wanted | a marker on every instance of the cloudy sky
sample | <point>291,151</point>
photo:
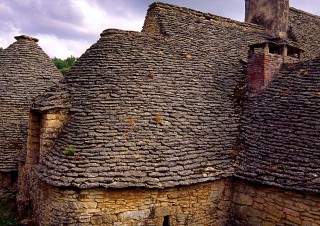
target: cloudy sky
<point>69,27</point>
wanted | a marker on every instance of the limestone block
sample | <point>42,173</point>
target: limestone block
<point>50,116</point>
<point>257,214</point>
<point>295,220</point>
<point>243,199</point>
<point>52,124</point>
<point>109,219</point>
<point>274,212</point>
<point>309,223</point>
<point>136,215</point>
<point>96,220</point>
<point>88,205</point>
<point>258,206</point>
<point>291,212</point>
<point>302,206</point>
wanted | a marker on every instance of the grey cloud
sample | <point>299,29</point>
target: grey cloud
<point>124,7</point>
<point>61,19</point>
<point>34,17</point>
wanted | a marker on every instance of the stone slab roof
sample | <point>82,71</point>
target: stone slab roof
<point>282,130</point>
<point>156,108</point>
<point>282,126</point>
<point>304,31</point>
<point>55,97</point>
<point>25,72</point>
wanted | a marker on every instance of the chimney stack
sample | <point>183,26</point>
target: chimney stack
<point>271,14</point>
<point>265,60</point>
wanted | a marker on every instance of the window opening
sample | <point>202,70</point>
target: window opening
<point>166,221</point>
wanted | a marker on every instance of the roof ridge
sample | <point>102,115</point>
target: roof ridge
<point>111,31</point>
<point>208,16</point>
<point>304,12</point>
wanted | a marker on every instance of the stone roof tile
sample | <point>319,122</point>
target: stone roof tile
<point>154,110</point>
<point>157,108</point>
<point>25,72</point>
<point>282,130</point>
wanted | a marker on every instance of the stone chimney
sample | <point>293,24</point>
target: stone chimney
<point>265,60</point>
<point>272,14</point>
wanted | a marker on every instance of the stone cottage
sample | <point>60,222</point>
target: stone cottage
<point>25,72</point>
<point>196,120</point>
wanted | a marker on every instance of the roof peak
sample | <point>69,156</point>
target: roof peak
<point>26,37</point>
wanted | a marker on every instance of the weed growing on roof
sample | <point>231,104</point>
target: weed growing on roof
<point>70,150</point>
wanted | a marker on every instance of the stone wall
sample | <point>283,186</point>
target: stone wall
<point>43,130</point>
<point>263,205</point>
<point>202,204</point>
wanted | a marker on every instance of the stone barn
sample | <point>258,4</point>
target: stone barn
<point>196,120</point>
<point>25,72</point>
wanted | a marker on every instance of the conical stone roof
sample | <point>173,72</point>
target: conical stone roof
<point>26,71</point>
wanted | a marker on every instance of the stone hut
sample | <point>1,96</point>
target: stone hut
<point>159,128</point>
<point>25,72</point>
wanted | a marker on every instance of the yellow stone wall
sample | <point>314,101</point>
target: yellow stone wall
<point>267,206</point>
<point>202,204</point>
<point>42,132</point>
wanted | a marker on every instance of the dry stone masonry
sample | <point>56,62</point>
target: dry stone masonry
<point>202,204</point>
<point>184,123</point>
<point>265,205</point>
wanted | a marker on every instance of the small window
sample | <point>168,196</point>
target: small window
<point>275,50</point>
<point>166,221</point>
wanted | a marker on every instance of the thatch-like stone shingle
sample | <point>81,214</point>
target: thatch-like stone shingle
<point>25,72</point>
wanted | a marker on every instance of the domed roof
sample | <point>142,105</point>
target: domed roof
<point>154,109</point>
<point>25,72</point>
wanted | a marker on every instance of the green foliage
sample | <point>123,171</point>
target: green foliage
<point>64,65</point>
<point>1,49</point>
<point>70,150</point>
